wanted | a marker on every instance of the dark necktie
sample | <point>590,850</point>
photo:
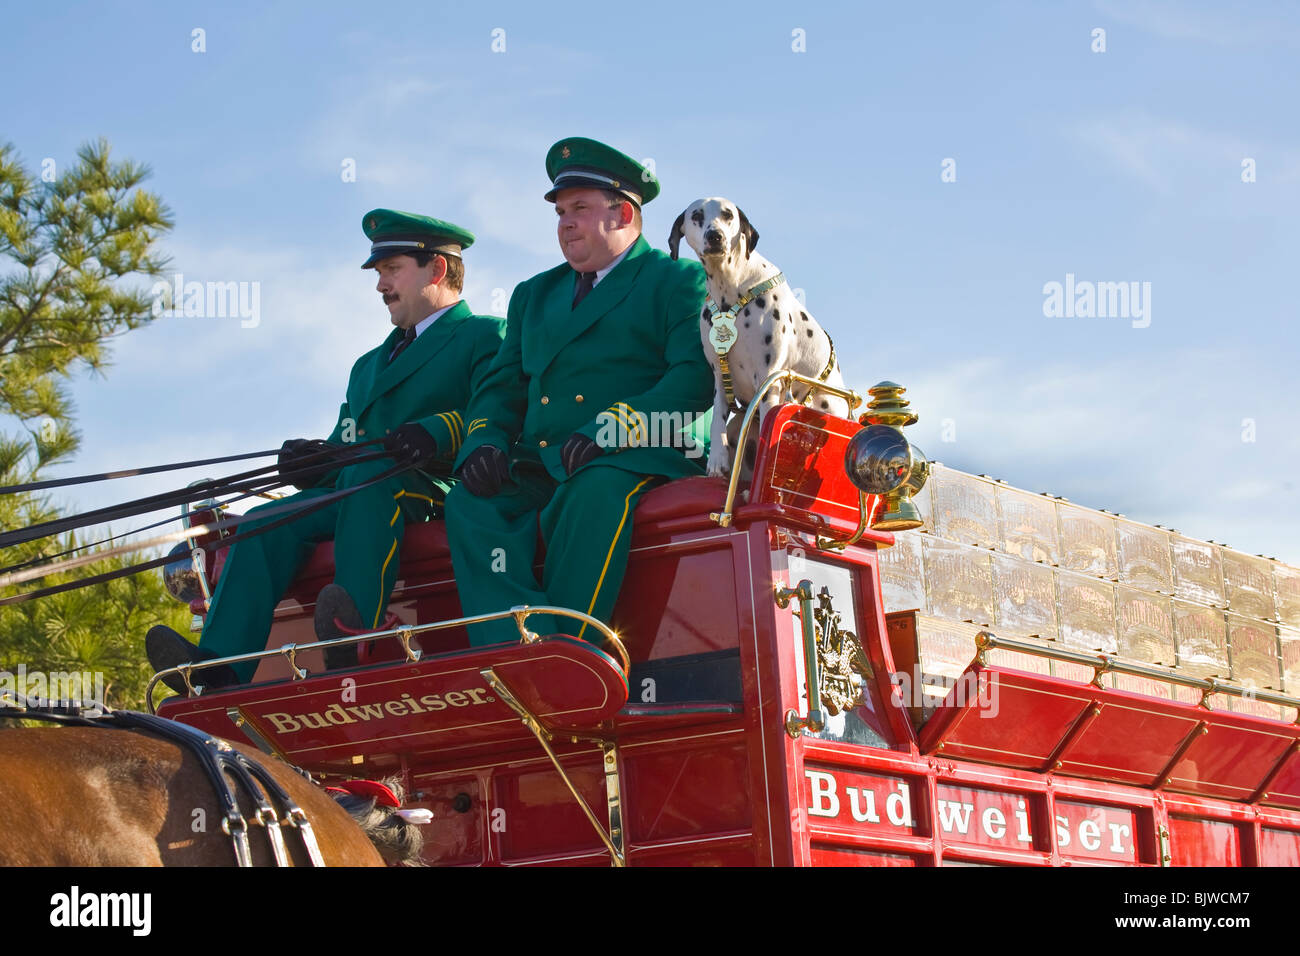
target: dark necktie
<point>410,337</point>
<point>586,282</point>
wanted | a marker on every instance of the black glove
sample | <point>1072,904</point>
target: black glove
<point>295,452</point>
<point>413,443</point>
<point>484,470</point>
<point>577,451</point>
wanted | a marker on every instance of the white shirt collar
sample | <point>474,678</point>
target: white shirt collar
<point>601,273</point>
<point>426,322</point>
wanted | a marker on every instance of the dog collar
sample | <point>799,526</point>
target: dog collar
<point>722,331</point>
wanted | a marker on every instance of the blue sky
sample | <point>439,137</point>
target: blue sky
<point>1115,166</point>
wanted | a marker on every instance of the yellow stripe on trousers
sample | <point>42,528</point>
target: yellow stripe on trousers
<point>627,504</point>
<point>393,550</point>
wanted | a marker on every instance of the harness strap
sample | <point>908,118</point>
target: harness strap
<point>722,331</point>
<point>830,362</point>
<point>217,758</point>
<point>765,286</point>
<point>725,368</point>
<point>723,337</point>
<point>70,712</point>
<point>293,814</point>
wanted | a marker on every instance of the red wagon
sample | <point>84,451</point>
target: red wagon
<point>689,737</point>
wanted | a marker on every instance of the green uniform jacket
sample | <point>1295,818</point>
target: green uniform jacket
<point>429,383</point>
<point>626,361</point>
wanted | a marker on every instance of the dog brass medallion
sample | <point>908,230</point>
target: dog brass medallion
<point>723,334</point>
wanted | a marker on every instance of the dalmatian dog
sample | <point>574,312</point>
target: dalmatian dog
<point>752,313</point>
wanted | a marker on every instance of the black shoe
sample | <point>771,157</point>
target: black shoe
<point>334,606</point>
<point>165,648</point>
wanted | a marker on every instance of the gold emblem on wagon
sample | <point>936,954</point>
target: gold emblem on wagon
<point>834,661</point>
<point>844,664</point>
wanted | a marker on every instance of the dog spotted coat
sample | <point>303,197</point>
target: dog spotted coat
<point>775,331</point>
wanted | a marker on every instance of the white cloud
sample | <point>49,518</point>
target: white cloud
<point>1176,158</point>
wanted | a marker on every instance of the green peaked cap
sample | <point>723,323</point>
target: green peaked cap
<point>392,233</point>
<point>584,163</point>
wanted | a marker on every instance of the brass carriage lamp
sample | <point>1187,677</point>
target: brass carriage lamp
<point>881,461</point>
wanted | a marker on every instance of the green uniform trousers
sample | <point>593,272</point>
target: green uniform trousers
<point>586,523</point>
<point>367,527</point>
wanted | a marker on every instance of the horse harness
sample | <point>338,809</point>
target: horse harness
<point>723,335</point>
<point>220,762</point>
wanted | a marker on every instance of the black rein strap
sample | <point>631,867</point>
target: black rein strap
<point>127,473</point>
<point>258,479</point>
<point>296,510</point>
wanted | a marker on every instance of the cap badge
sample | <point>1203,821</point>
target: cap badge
<point>565,152</point>
<point>372,223</point>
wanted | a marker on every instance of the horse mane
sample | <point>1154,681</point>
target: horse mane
<point>398,841</point>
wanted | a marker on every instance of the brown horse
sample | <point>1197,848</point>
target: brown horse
<point>91,796</point>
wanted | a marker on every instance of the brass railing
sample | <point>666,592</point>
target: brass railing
<point>403,635</point>
<point>1101,664</point>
